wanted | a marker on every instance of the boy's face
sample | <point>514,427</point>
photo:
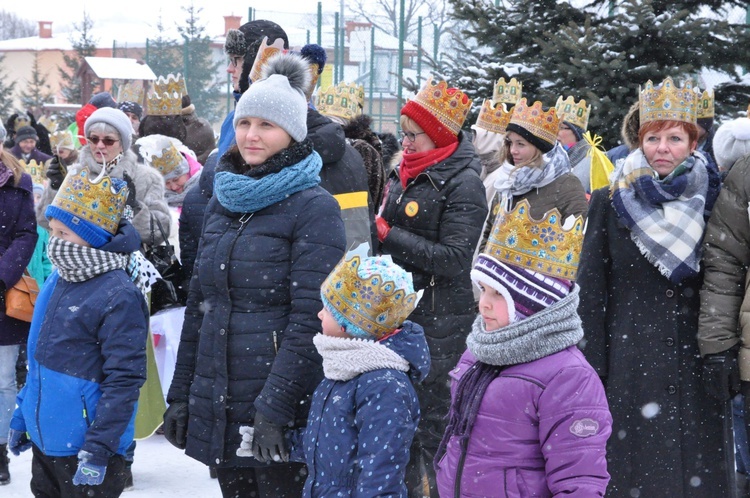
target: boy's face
<point>61,230</point>
<point>494,308</point>
<point>330,326</point>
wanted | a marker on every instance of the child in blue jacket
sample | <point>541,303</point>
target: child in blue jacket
<point>86,347</point>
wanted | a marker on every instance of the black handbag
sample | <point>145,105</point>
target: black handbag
<point>164,293</point>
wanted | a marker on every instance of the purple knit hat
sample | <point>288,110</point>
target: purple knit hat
<point>526,292</point>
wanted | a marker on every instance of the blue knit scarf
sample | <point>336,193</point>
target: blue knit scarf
<point>241,193</point>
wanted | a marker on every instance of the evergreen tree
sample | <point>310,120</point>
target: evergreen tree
<point>164,56</point>
<point>7,91</point>
<point>37,91</point>
<point>200,71</point>
<point>84,46</point>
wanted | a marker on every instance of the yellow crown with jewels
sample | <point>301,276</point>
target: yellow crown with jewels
<point>49,122</point>
<point>265,52</point>
<point>493,117</point>
<point>21,120</point>
<point>169,160</point>
<point>374,304</point>
<point>165,104</point>
<point>668,102</point>
<point>35,170</point>
<point>540,123</point>
<point>62,139</point>
<point>573,112</point>
<point>344,100</point>
<point>508,92</point>
<point>705,105</point>
<point>171,84</point>
<point>93,199</point>
<point>449,107</point>
<point>548,246</point>
<point>132,91</point>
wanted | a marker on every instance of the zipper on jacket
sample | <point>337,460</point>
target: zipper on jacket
<point>275,344</point>
<point>432,288</point>
<point>85,411</point>
<point>401,195</point>
<point>460,469</point>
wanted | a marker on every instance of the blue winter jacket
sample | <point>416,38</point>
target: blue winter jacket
<point>87,362</point>
<point>359,431</point>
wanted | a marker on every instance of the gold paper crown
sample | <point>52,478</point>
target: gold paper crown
<point>314,77</point>
<point>62,139</point>
<point>508,92</point>
<point>705,105</point>
<point>494,118</point>
<point>376,306</point>
<point>49,122</point>
<point>166,104</point>
<point>748,111</point>
<point>450,109</point>
<point>170,84</point>
<point>344,100</point>
<point>265,52</point>
<point>168,161</point>
<point>668,102</point>
<point>35,170</point>
<point>132,91</point>
<point>536,121</point>
<point>21,120</point>
<point>573,112</point>
<point>92,199</point>
<point>544,246</point>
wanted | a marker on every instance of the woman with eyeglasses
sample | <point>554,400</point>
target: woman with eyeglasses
<point>432,213</point>
<point>109,134</point>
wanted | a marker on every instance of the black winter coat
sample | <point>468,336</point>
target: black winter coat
<point>251,315</point>
<point>436,245</point>
<point>640,336</point>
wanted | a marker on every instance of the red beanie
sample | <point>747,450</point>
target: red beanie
<point>440,111</point>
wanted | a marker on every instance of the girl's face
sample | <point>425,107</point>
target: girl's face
<point>258,139</point>
<point>177,184</point>
<point>493,307</point>
<point>61,230</point>
<point>666,149</point>
<point>521,151</point>
<point>330,325</point>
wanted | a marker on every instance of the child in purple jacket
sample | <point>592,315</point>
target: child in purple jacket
<point>528,415</point>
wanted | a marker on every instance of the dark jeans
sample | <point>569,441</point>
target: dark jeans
<point>52,477</point>
<point>275,481</point>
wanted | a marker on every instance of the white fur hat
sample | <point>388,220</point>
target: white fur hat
<point>731,142</point>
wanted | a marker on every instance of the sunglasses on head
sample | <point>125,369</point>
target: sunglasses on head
<point>109,142</point>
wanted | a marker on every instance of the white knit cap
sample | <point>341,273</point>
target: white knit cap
<point>731,142</point>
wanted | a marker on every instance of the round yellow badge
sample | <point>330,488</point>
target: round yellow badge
<point>411,209</point>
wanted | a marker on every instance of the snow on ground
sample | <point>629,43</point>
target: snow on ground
<point>160,469</point>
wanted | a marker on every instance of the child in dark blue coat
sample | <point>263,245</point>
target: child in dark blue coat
<point>365,412</point>
<point>86,348</point>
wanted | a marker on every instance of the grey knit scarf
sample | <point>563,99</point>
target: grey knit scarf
<point>542,334</point>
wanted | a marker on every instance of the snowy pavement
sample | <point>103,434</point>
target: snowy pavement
<point>160,469</point>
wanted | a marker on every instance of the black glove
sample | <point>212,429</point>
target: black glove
<point>56,173</point>
<point>268,441</point>
<point>721,374</point>
<point>175,424</point>
<point>131,201</point>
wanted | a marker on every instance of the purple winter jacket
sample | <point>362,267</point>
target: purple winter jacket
<point>541,431</point>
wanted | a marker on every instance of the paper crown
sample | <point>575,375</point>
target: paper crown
<point>573,112</point>
<point>132,91</point>
<point>35,170</point>
<point>705,105</point>
<point>493,117</point>
<point>165,104</point>
<point>546,246</point>
<point>668,102</point>
<point>21,120</point>
<point>344,100</point>
<point>49,122</point>
<point>748,111</point>
<point>508,92</point>
<point>161,152</point>
<point>375,305</point>
<point>539,123</point>
<point>170,84</point>
<point>265,52</point>
<point>92,199</point>
<point>450,109</point>
<point>62,139</point>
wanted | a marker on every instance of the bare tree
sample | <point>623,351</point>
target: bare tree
<point>385,15</point>
<point>12,26</point>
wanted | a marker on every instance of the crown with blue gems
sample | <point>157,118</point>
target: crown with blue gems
<point>344,100</point>
<point>93,199</point>
<point>668,102</point>
<point>508,92</point>
<point>373,305</point>
<point>132,91</point>
<point>165,104</point>
<point>573,112</point>
<point>551,245</point>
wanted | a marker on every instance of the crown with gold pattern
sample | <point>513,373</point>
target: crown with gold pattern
<point>546,246</point>
<point>92,199</point>
<point>49,122</point>
<point>35,170</point>
<point>168,161</point>
<point>163,154</point>
<point>171,84</point>
<point>536,121</point>
<point>508,92</point>
<point>493,117</point>
<point>344,100</point>
<point>165,104</point>
<point>705,105</point>
<point>376,304</point>
<point>62,139</point>
<point>21,120</point>
<point>573,112</point>
<point>265,52</point>
<point>668,102</point>
<point>132,91</point>
<point>450,108</point>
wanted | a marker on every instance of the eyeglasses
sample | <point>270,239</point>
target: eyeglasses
<point>235,60</point>
<point>109,142</point>
<point>410,135</point>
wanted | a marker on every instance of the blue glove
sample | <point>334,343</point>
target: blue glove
<point>18,441</point>
<point>88,473</point>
